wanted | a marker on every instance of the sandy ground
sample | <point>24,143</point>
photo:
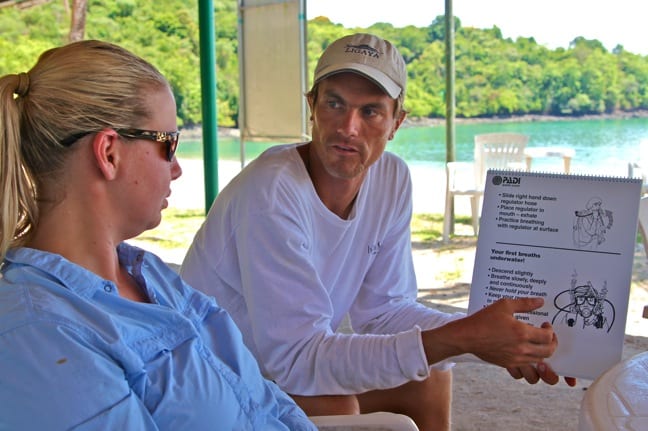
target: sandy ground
<point>485,396</point>
<point>428,186</point>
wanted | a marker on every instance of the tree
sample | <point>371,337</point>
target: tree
<point>494,75</point>
<point>78,21</point>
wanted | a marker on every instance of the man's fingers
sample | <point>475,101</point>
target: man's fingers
<point>515,373</point>
<point>522,305</point>
<point>571,381</point>
<point>547,374</point>
<point>530,374</point>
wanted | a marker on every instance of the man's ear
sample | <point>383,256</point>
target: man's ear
<point>310,101</point>
<point>105,147</point>
<point>397,123</point>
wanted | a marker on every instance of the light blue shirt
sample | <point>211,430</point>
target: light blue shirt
<point>76,355</point>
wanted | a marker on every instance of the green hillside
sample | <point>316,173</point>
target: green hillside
<point>495,76</point>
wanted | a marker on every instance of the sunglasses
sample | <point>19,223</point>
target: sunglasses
<point>170,139</point>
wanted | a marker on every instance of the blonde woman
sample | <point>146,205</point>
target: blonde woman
<point>94,333</point>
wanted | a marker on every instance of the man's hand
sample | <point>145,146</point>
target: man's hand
<point>501,339</point>
<point>494,335</point>
<point>533,374</point>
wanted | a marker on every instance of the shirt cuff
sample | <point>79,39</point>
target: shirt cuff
<point>411,355</point>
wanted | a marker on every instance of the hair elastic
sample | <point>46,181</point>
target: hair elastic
<point>23,84</point>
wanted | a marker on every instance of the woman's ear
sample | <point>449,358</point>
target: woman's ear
<point>105,147</point>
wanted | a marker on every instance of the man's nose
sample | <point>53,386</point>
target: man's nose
<point>350,123</point>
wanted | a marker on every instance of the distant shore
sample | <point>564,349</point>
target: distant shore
<point>619,115</point>
<point>195,132</point>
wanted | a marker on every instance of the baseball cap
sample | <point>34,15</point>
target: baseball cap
<point>367,55</point>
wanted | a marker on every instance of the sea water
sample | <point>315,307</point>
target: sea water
<point>602,146</point>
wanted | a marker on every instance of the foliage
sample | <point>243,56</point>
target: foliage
<point>175,232</point>
<point>495,76</point>
<point>428,228</point>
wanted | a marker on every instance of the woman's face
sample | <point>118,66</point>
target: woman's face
<point>148,174</point>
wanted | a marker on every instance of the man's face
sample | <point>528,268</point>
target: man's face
<point>352,121</point>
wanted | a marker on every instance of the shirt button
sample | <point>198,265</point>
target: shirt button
<point>108,288</point>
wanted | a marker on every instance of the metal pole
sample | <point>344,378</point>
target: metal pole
<point>304,67</point>
<point>450,92</point>
<point>242,120</point>
<point>208,95</point>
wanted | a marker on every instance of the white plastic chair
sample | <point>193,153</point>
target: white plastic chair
<point>492,151</point>
<point>618,398</point>
<point>639,169</point>
<point>643,230</point>
<point>380,421</point>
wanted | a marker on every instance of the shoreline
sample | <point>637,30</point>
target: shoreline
<point>195,132</point>
<point>620,115</point>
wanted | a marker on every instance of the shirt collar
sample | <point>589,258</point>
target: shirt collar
<point>72,276</point>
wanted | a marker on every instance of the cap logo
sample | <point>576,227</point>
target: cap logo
<point>363,49</point>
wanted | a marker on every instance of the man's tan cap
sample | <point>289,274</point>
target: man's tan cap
<point>367,55</point>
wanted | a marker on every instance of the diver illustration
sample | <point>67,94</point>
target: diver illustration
<point>591,224</point>
<point>582,306</point>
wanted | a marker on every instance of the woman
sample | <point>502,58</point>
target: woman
<point>95,333</point>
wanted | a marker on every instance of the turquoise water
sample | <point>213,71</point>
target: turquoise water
<point>602,146</point>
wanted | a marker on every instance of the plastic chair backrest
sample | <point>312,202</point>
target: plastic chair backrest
<point>616,400</point>
<point>379,421</point>
<point>643,222</point>
<point>499,151</point>
<point>643,230</point>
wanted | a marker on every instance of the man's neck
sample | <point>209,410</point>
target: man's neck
<point>338,195</point>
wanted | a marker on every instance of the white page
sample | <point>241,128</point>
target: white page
<point>569,239</point>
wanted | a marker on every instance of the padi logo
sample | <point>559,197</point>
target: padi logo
<point>363,49</point>
<point>505,180</point>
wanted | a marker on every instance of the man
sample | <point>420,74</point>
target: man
<point>311,232</point>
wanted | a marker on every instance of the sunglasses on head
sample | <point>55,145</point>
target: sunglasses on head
<point>170,139</point>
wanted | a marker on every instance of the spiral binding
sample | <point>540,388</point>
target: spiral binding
<point>519,173</point>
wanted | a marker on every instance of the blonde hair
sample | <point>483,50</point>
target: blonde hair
<point>78,88</point>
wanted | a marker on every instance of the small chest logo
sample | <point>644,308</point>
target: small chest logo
<point>374,249</point>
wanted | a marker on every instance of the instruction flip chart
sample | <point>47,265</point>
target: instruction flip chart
<point>569,239</point>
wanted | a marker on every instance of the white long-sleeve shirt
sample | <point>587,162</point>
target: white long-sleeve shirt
<point>288,270</point>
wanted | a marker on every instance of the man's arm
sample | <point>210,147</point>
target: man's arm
<point>386,303</point>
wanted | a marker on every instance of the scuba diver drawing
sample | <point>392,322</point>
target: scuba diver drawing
<point>583,306</point>
<point>591,224</point>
